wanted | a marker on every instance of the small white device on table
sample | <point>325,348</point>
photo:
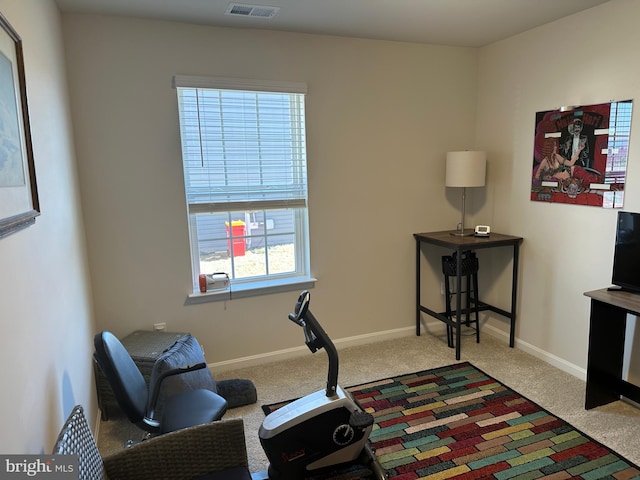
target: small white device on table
<point>482,231</point>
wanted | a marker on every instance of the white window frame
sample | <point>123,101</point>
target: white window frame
<point>243,287</point>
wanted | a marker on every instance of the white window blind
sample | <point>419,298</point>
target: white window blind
<point>245,175</point>
<point>618,141</point>
<point>243,144</point>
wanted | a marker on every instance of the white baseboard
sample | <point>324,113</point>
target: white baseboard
<point>551,359</point>
<point>96,430</point>
<point>295,352</point>
<point>358,340</point>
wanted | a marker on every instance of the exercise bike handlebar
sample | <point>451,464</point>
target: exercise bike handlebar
<point>316,339</point>
<point>309,336</point>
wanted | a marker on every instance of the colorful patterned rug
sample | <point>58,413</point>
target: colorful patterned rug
<point>458,422</point>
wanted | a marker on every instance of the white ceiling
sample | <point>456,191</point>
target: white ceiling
<point>469,23</point>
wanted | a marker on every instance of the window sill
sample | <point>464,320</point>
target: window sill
<point>251,290</point>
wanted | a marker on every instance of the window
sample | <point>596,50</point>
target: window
<point>245,174</point>
<point>618,141</point>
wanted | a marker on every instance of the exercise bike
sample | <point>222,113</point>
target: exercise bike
<point>321,430</point>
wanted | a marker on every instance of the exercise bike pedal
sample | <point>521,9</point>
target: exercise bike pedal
<point>360,419</point>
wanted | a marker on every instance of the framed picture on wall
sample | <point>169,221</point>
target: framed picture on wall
<point>19,204</point>
<point>580,154</point>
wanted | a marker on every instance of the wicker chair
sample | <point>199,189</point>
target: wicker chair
<point>211,451</point>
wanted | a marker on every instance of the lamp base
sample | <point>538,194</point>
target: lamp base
<point>462,233</point>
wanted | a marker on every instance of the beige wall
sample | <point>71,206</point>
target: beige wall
<point>45,296</point>
<point>380,116</point>
<point>585,59</point>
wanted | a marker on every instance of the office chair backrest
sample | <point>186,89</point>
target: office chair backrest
<point>127,383</point>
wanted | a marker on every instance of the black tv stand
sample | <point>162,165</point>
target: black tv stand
<point>607,327</point>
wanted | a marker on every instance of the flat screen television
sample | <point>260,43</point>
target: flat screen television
<point>626,256</point>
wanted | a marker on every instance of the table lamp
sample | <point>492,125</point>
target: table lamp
<point>465,169</point>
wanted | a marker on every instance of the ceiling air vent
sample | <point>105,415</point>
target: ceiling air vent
<point>254,11</point>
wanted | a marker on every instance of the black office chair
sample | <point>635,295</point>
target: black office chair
<point>185,409</point>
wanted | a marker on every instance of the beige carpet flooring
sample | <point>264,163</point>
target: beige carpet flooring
<point>616,425</point>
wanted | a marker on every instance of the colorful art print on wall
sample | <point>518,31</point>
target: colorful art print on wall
<point>580,154</point>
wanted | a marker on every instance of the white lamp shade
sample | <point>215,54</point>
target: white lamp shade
<point>466,169</point>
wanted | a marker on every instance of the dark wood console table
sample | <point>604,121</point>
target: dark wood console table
<point>607,326</point>
<point>463,244</point>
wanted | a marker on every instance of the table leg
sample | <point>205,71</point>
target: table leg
<point>418,288</point>
<point>458,301</point>
<point>514,295</point>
